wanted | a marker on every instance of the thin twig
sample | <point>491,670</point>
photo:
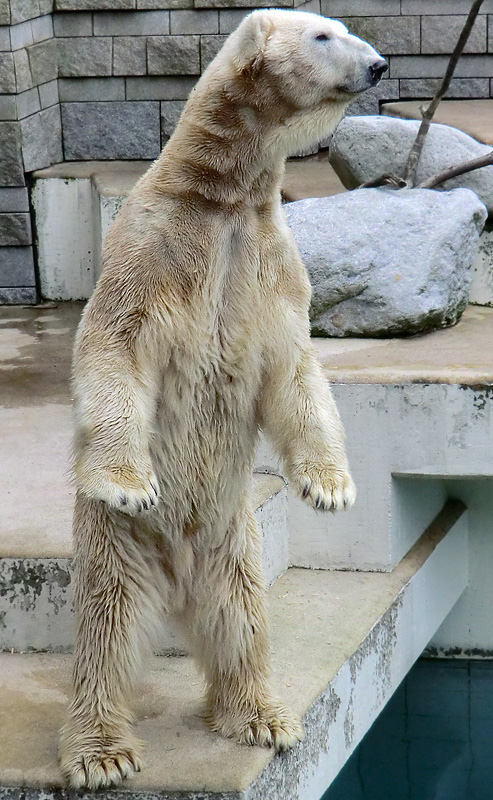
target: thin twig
<point>428,113</point>
<point>384,180</point>
<point>461,169</point>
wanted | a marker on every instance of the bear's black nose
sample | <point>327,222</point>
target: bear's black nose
<point>377,69</point>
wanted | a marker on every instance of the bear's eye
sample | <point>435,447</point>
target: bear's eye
<point>322,37</point>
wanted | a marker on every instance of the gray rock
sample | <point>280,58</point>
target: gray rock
<point>209,48</point>
<point>14,200</point>
<point>171,111</point>
<point>15,296</point>
<point>43,61</point>
<point>83,56</point>
<point>11,163</point>
<point>129,55</point>
<point>386,263</point>
<point>23,77</point>
<point>363,148</point>
<point>173,55</point>
<point>7,74</point>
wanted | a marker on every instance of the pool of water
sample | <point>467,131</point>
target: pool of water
<point>433,740</point>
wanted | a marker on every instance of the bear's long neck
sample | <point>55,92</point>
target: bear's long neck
<point>218,151</point>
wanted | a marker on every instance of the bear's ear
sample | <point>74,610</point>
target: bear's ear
<point>253,35</point>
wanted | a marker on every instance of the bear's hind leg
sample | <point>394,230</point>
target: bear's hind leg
<point>115,600</point>
<point>229,630</point>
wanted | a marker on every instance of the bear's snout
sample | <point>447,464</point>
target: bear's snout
<point>377,70</point>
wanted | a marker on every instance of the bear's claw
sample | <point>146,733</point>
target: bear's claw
<point>135,501</point>
<point>100,770</point>
<point>327,489</point>
<point>125,489</point>
<point>271,726</point>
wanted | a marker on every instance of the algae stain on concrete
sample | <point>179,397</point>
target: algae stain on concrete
<point>286,772</point>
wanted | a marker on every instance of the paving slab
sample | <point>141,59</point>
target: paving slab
<point>459,355</point>
<point>474,117</point>
<point>341,643</point>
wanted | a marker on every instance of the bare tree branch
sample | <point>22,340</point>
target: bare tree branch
<point>428,113</point>
<point>384,180</point>
<point>461,169</point>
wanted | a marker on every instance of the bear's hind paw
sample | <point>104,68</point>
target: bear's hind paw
<point>272,726</point>
<point>279,729</point>
<point>102,770</point>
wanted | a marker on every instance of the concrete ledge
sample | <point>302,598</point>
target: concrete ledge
<point>341,644</point>
<point>36,602</point>
<point>459,355</point>
<point>474,117</point>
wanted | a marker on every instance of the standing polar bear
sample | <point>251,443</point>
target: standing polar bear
<point>196,337</point>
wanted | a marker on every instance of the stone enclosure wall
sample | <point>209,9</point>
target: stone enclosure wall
<point>107,79</point>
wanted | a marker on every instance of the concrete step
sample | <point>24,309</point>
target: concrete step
<point>341,644</point>
<point>474,117</point>
<point>75,204</point>
<point>36,602</point>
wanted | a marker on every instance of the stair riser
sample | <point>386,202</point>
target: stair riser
<point>36,599</point>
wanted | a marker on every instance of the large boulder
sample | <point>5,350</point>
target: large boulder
<point>363,148</point>
<point>386,263</point>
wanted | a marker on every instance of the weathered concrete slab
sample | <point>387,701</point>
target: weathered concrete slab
<point>341,644</point>
<point>36,598</point>
<point>461,355</point>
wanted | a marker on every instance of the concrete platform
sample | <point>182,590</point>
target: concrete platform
<point>459,355</point>
<point>474,117</point>
<point>407,405</point>
<point>341,644</point>
<point>311,176</point>
<point>36,345</point>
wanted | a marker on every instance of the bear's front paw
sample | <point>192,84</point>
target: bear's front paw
<point>326,488</point>
<point>133,500</point>
<point>122,488</point>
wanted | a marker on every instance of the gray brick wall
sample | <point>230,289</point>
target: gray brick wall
<point>87,79</point>
<point>30,133</point>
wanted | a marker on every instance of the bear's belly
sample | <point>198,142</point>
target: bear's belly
<point>203,447</point>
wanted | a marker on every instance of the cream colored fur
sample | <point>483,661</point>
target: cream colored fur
<point>196,337</point>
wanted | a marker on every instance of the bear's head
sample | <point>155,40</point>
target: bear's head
<point>305,67</point>
<point>311,58</point>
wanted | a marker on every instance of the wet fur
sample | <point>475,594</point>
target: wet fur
<point>197,337</point>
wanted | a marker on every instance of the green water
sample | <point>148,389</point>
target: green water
<point>433,741</point>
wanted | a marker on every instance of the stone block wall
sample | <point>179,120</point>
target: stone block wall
<point>124,76</point>
<point>30,133</point>
<point>107,79</point>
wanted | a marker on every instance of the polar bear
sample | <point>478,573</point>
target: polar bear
<point>196,337</point>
